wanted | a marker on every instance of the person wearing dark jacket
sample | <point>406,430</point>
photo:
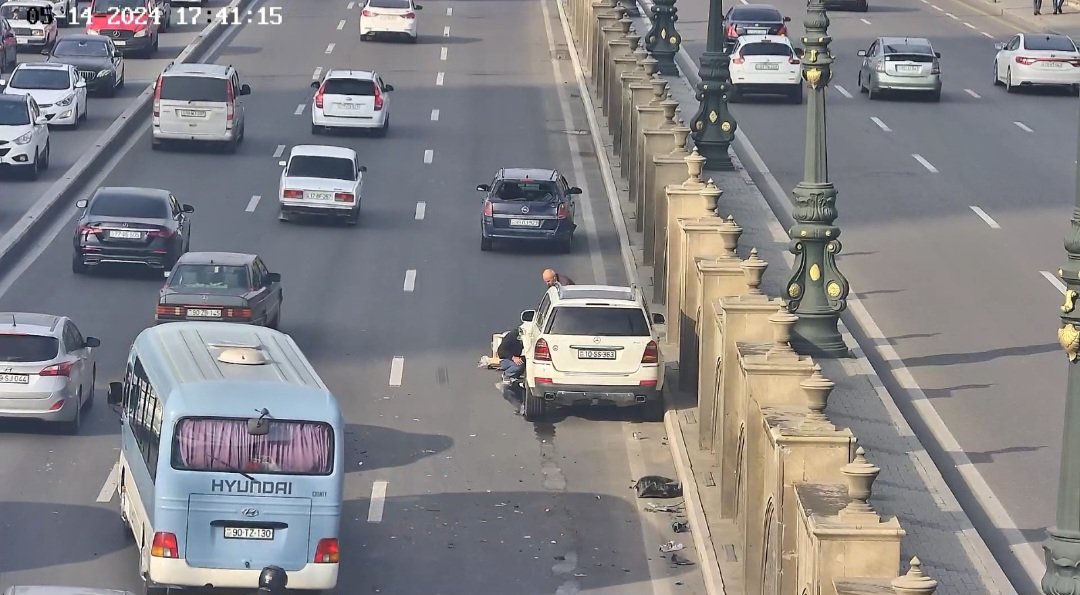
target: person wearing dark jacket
<point>510,352</point>
<point>551,277</point>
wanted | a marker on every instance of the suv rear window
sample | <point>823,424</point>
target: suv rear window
<point>28,348</point>
<point>1054,43</point>
<point>596,321</point>
<point>126,205</point>
<point>193,88</point>
<point>389,4</point>
<point>765,49</point>
<point>761,15</point>
<point>349,87</point>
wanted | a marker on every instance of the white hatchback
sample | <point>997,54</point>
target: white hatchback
<point>25,18</point>
<point>766,64</point>
<point>24,135</point>
<point>389,17</point>
<point>321,180</point>
<point>351,99</point>
<point>58,89</point>
<point>1037,59</point>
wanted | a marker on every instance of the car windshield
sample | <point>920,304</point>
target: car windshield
<point>526,190</point>
<point>82,48</point>
<point>317,166</point>
<point>598,322</point>
<point>19,13</point>
<point>14,113</point>
<point>16,348</point>
<point>1053,43</point>
<point>129,206</point>
<point>759,15</point>
<point>117,6</point>
<point>349,87</point>
<point>194,88</point>
<point>224,444</point>
<point>209,276</point>
<point>389,4</point>
<point>765,49</point>
<point>39,78</point>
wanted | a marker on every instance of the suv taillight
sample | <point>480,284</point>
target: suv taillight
<point>319,96</point>
<point>782,30</point>
<point>378,98</point>
<point>651,355</point>
<point>327,551</point>
<point>157,98</point>
<point>410,15</point>
<point>367,13</point>
<point>63,369</point>
<point>541,353</point>
<point>230,94</point>
<point>488,208</point>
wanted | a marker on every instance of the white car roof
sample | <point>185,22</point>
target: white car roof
<point>745,39</point>
<point>323,151</point>
<point>364,75</point>
<point>40,3</point>
<point>611,295</point>
<point>44,65</point>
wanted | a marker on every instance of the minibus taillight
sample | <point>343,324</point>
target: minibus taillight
<point>327,551</point>
<point>164,545</point>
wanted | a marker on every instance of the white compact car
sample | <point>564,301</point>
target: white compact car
<point>57,88</point>
<point>351,99</point>
<point>766,64</point>
<point>592,344</point>
<point>25,18</point>
<point>321,180</point>
<point>1037,59</point>
<point>24,135</point>
<point>389,17</point>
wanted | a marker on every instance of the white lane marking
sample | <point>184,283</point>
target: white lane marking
<point>429,155</point>
<point>922,160</point>
<point>299,109</point>
<point>969,26</point>
<point>867,21</point>
<point>1052,278</point>
<point>442,53</point>
<point>253,203</point>
<point>316,74</point>
<point>378,501</point>
<point>440,79</point>
<point>1023,127</point>
<point>341,24</point>
<point>952,16</point>
<point>446,31</point>
<point>434,115</point>
<point>113,479</point>
<point>449,11</point>
<point>278,151</point>
<point>925,1</point>
<point>397,369</point>
<point>987,218</point>
<point>842,91</point>
<point>410,280</point>
<point>973,94</point>
<point>937,8</point>
<point>880,124</point>
<point>350,6</point>
<point>330,48</point>
<point>421,210</point>
<point>744,1</point>
<point>985,34</point>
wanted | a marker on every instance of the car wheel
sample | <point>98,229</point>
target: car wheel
<point>733,94</point>
<point>78,118</point>
<point>78,266</point>
<point>870,93</point>
<point>863,6</point>
<point>276,322</point>
<point>353,217</point>
<point>72,427</point>
<point>86,110</point>
<point>1009,88</point>
<point>33,171</point>
<point>123,79</point>
<point>111,89</point>
<point>997,79</point>
<point>385,129</point>
<point>413,38</point>
<point>797,94</point>
<point>315,130</point>
<point>46,157</point>
<point>566,245</point>
<point>125,520</point>
<point>284,216</point>
<point>936,96</point>
<point>93,387</point>
<point>532,407</point>
<point>652,410</point>
<point>485,244</point>
<point>232,145</point>
<point>156,145</point>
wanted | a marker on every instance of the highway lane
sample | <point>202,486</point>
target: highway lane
<point>473,492</point>
<point>958,291</point>
<point>17,194</point>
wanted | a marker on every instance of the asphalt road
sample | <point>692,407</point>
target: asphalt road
<point>477,500</point>
<point>17,194</point>
<point>960,297</point>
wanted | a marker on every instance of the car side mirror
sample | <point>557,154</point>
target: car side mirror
<point>483,188</point>
<point>167,273</point>
<point>999,46</point>
<point>937,54</point>
<point>92,342</point>
<point>799,52</point>
<point>315,84</point>
<point>187,208</point>
<point>861,53</point>
<point>658,319</point>
<point>575,190</point>
<point>245,89</point>
<point>388,88</point>
<point>273,277</point>
<point>79,84</point>
<point>44,51</point>
<point>81,203</point>
<point>417,7</point>
<point>41,121</point>
<point>528,315</point>
<point>787,19</point>
<point>117,54</point>
<point>363,168</point>
<point>116,393</point>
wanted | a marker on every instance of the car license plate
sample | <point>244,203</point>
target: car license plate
<point>348,106</point>
<point>757,31</point>
<point>1053,64</point>
<point>119,43</point>
<point>203,313</point>
<point>191,113</point>
<point>22,40</point>
<point>595,354</point>
<point>248,533</point>
<point>319,195</point>
<point>767,66</point>
<point>524,223</point>
<point>125,235</point>
<point>908,68</point>
<point>15,378</point>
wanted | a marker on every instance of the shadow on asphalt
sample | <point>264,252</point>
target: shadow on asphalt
<point>34,529</point>
<point>368,448</point>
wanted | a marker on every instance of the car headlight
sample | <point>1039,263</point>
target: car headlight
<point>66,101</point>
<point>141,33</point>
<point>104,72</point>
<point>38,32</point>
<point>22,140</point>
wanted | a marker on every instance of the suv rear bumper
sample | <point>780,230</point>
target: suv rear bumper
<point>568,395</point>
<point>155,258</point>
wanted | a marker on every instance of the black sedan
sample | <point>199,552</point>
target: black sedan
<point>125,225</point>
<point>221,286</point>
<point>98,61</point>
<point>528,204</point>
<point>755,19</point>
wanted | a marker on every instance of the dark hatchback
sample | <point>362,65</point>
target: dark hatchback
<point>98,61</point>
<point>529,204</point>
<point>754,19</point>
<point>221,286</point>
<point>125,225</point>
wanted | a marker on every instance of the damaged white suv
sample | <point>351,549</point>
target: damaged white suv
<point>592,344</point>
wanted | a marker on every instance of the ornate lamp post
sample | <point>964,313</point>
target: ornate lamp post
<point>663,40</point>
<point>713,127</point>
<point>817,290</point>
<point>1062,546</point>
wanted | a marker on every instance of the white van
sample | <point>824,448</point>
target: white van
<point>26,18</point>
<point>199,102</point>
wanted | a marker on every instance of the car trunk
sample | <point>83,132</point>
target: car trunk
<point>387,17</point>
<point>125,232</point>
<point>597,339</point>
<point>319,190</point>
<point>349,98</point>
<point>771,62</point>
<point>524,214</point>
<point>908,64</point>
<point>220,534</point>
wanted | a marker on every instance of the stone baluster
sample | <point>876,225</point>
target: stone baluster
<point>676,202</point>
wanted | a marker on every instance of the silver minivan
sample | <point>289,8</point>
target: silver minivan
<point>199,102</point>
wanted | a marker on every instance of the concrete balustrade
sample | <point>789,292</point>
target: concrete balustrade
<point>632,93</point>
<point>622,61</point>
<point>649,115</point>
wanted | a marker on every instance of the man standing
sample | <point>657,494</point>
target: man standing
<point>551,278</point>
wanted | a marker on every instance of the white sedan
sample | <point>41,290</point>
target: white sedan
<point>27,19</point>
<point>1037,59</point>
<point>321,180</point>
<point>57,88</point>
<point>24,135</point>
<point>766,64</point>
<point>389,17</point>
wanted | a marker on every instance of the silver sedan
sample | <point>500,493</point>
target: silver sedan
<point>900,64</point>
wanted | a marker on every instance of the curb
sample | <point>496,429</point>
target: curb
<point>28,228</point>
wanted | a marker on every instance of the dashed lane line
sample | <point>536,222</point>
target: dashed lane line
<point>330,48</point>
<point>434,115</point>
<point>440,79</point>
<point>113,480</point>
<point>1052,278</point>
<point>299,109</point>
<point>986,218</point>
<point>866,21</point>
<point>429,155</point>
<point>442,53</point>
<point>253,203</point>
<point>397,369</point>
<point>970,26</point>
<point>446,31</point>
<point>449,11</point>
<point>316,74</point>
<point>880,124</point>
<point>378,501</point>
<point>973,93</point>
<point>987,35</point>
<point>922,160</point>
<point>952,16</point>
<point>278,151</point>
<point>410,280</point>
<point>421,210</point>
<point>350,6</point>
<point>341,24</point>
<point>1023,127</point>
<point>937,8</point>
<point>842,91</point>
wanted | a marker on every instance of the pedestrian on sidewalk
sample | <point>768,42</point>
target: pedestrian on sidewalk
<point>1038,7</point>
<point>1058,6</point>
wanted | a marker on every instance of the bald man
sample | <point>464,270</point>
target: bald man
<point>551,277</point>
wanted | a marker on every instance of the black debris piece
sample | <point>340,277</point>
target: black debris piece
<point>656,486</point>
<point>677,560</point>
<point>680,527</point>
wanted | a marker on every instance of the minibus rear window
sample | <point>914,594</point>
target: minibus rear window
<point>224,444</point>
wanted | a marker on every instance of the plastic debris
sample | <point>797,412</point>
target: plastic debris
<point>676,508</point>
<point>678,560</point>
<point>657,486</point>
<point>484,362</point>
<point>680,527</point>
<point>580,575</point>
<point>671,546</point>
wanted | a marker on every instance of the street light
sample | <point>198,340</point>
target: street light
<point>713,127</point>
<point>1062,545</point>
<point>817,290</point>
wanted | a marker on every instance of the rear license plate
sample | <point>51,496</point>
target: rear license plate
<point>203,313</point>
<point>125,235</point>
<point>319,195</point>
<point>524,223</point>
<point>1053,64</point>
<point>248,533</point>
<point>348,106</point>
<point>908,68</point>
<point>595,354</point>
<point>767,66</point>
<point>14,378</point>
<point>757,31</point>
<point>191,113</point>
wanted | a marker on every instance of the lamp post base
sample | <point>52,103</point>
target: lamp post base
<point>1062,549</point>
<point>716,156</point>
<point>817,335</point>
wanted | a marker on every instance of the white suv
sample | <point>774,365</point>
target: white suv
<point>591,344</point>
